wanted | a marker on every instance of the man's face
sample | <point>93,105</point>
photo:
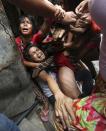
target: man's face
<point>36,54</point>
<point>26,26</point>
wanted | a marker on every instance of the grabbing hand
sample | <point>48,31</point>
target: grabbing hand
<point>82,7</point>
<point>60,13</point>
<point>70,17</point>
<point>64,110</point>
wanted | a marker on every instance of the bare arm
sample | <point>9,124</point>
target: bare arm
<point>39,7</point>
<point>77,29</point>
<point>63,111</point>
<point>51,82</point>
<point>30,64</point>
<point>68,41</point>
<point>44,8</point>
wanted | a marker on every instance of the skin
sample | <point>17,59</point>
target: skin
<point>26,27</point>
<point>82,7</point>
<point>48,9</point>
<point>26,35</point>
<point>37,55</point>
<point>68,83</point>
<point>81,23</point>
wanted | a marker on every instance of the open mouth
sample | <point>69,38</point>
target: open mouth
<point>41,56</point>
<point>25,30</point>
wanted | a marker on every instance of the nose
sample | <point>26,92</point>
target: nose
<point>25,23</point>
<point>38,53</point>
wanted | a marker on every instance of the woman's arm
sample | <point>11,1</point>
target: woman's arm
<point>51,82</point>
<point>63,111</point>
<point>77,29</point>
<point>39,7</point>
<point>68,42</point>
<point>30,64</point>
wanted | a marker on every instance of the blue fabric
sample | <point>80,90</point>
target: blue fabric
<point>6,124</point>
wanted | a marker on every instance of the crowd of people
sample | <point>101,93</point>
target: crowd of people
<point>59,57</point>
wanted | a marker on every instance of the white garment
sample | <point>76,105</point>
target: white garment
<point>44,85</point>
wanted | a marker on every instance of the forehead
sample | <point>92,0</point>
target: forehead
<point>33,49</point>
<point>25,19</point>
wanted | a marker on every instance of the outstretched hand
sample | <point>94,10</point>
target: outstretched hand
<point>64,110</point>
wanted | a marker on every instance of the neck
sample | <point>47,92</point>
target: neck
<point>26,39</point>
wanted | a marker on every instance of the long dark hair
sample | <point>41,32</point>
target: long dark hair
<point>26,51</point>
<point>49,50</point>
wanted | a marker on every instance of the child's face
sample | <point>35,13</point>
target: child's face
<point>36,54</point>
<point>26,26</point>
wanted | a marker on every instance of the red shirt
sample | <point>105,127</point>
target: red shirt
<point>60,59</point>
<point>95,27</point>
<point>34,40</point>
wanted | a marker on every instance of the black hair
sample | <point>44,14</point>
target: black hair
<point>31,18</point>
<point>26,51</point>
<point>50,49</point>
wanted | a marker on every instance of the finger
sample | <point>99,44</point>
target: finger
<point>59,12</point>
<point>57,109</point>
<point>58,125</point>
<point>71,26</point>
<point>71,112</point>
<point>62,120</point>
<point>73,14</point>
<point>78,11</point>
<point>73,20</point>
<point>67,118</point>
<point>59,114</point>
<point>56,113</point>
<point>57,105</point>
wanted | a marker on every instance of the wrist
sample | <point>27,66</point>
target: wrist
<point>58,93</point>
<point>59,13</point>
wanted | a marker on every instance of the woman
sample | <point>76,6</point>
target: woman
<point>33,53</point>
<point>27,34</point>
<point>48,10</point>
